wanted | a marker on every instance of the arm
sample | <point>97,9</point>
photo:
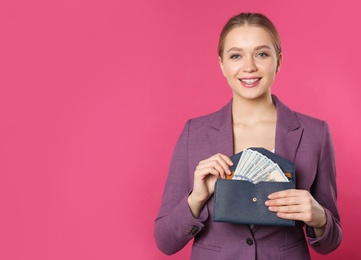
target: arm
<point>324,190</point>
<point>175,225</point>
<point>184,209</point>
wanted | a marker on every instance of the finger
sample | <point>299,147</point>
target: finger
<point>220,157</point>
<point>286,209</point>
<point>284,193</point>
<point>213,165</point>
<point>291,212</point>
<point>303,201</point>
<point>225,162</point>
<point>203,172</point>
<point>226,159</point>
<point>222,160</point>
<point>292,216</point>
<point>284,201</point>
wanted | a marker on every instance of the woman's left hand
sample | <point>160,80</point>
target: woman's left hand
<point>297,205</point>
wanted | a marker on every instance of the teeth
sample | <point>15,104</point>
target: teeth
<point>249,81</point>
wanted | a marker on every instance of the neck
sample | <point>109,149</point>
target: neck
<point>250,111</point>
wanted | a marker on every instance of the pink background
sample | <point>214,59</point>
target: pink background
<point>93,95</point>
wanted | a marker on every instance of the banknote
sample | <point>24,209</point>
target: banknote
<point>256,167</point>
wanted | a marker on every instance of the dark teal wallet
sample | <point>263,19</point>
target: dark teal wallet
<point>242,202</point>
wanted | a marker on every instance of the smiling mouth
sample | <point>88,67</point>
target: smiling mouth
<point>250,81</point>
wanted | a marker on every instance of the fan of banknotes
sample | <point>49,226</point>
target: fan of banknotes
<point>255,167</point>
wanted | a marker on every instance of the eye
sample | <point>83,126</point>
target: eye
<point>262,54</point>
<point>235,56</point>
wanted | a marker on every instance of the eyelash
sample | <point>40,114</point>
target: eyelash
<point>238,56</point>
<point>262,54</point>
<point>235,56</point>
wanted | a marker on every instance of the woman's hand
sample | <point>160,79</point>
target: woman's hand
<point>205,176</point>
<point>298,205</point>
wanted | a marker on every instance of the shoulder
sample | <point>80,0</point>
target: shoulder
<point>311,122</point>
<point>204,120</point>
<point>293,119</point>
<point>316,132</point>
<point>215,119</point>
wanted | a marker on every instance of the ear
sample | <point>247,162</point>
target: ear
<point>279,62</point>
<point>221,65</point>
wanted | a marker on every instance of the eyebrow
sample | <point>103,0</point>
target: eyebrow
<point>256,49</point>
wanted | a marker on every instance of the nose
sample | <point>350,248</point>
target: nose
<point>249,65</point>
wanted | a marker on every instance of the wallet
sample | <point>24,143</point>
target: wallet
<point>242,202</point>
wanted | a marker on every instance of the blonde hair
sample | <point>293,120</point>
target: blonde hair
<point>253,19</point>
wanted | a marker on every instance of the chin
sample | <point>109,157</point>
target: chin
<point>252,96</point>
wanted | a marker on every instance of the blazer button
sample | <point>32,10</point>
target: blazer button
<point>317,244</point>
<point>194,230</point>
<point>249,241</point>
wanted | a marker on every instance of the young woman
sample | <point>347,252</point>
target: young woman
<point>250,56</point>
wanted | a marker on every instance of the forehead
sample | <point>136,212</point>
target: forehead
<point>248,36</point>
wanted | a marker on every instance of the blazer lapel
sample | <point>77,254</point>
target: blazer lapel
<point>221,131</point>
<point>288,131</point>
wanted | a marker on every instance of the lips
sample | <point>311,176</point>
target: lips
<point>250,82</point>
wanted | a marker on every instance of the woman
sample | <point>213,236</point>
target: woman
<point>250,56</point>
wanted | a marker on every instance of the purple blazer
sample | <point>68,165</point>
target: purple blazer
<point>301,139</point>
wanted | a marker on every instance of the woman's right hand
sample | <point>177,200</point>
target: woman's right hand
<point>205,176</point>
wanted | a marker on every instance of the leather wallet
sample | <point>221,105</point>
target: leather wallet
<point>242,202</point>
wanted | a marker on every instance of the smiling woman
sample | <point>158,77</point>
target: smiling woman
<point>250,56</point>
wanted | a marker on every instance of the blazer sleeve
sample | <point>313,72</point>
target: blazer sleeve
<point>324,190</point>
<point>175,225</point>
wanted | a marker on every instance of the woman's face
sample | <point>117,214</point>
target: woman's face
<point>249,62</point>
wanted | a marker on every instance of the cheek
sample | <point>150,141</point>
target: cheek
<point>269,68</point>
<point>231,69</point>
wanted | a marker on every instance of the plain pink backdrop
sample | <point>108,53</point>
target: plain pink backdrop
<point>93,95</point>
